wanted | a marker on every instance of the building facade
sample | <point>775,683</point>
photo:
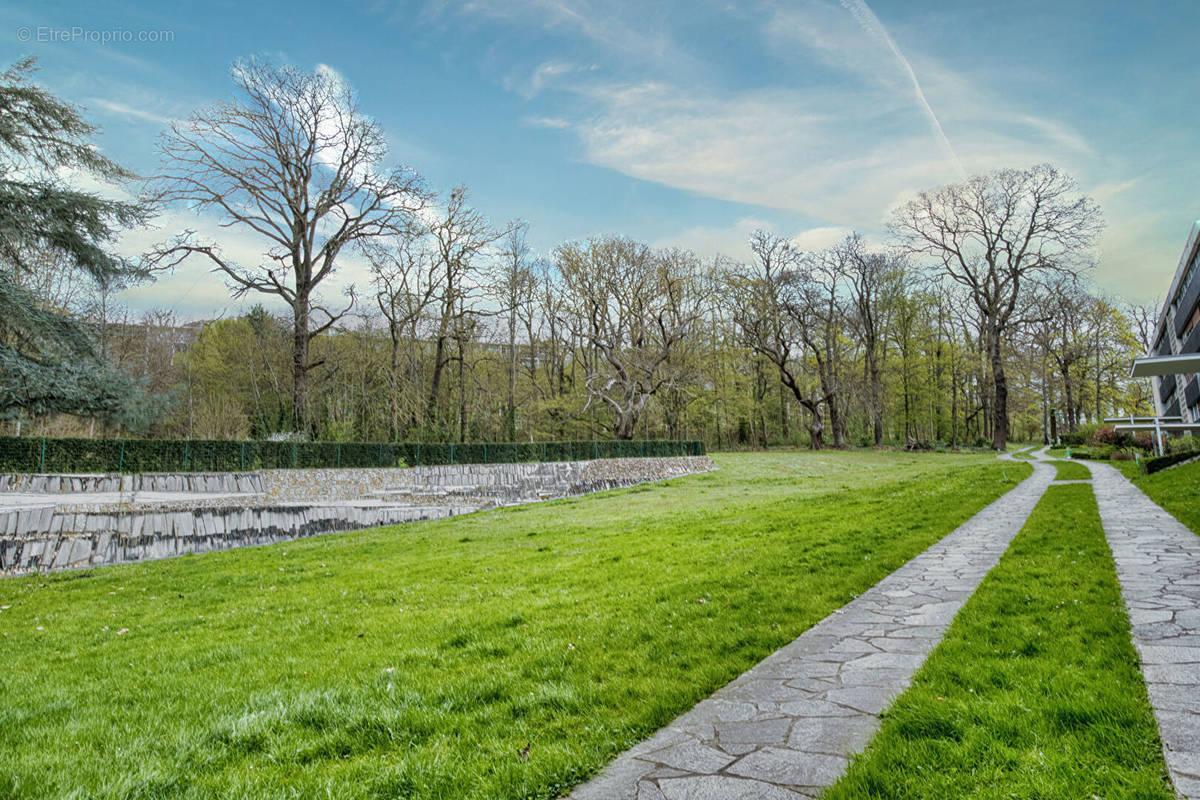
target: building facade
<point>1178,332</point>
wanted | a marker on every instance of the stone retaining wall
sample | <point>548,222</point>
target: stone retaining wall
<point>92,520</point>
<point>96,538</point>
<point>225,482</point>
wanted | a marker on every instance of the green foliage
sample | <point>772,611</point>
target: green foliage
<point>1183,444</point>
<point>31,454</point>
<point>1177,490</point>
<point>1158,463</point>
<point>419,661</point>
<point>47,362</point>
<point>1035,691</point>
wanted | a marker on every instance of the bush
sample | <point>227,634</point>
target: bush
<point>1152,465</point>
<point>1144,441</point>
<point>25,454</point>
<point>1182,444</point>
<point>1112,437</point>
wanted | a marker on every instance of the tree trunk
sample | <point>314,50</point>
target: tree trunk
<point>816,429</point>
<point>783,413</point>
<point>876,396</point>
<point>462,393</point>
<point>435,385</point>
<point>300,367</point>
<point>394,387</point>
<point>1000,383</point>
<point>511,410</point>
<point>1069,397</point>
<point>953,403</point>
<point>835,422</point>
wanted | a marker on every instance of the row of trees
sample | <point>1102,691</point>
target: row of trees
<point>976,321</point>
<point>851,345</point>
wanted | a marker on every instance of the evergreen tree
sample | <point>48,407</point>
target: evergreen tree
<point>47,361</point>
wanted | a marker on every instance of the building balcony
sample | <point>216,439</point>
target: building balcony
<point>1187,306</point>
<point>1166,388</point>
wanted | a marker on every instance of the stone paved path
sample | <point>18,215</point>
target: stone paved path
<point>786,728</point>
<point>1158,564</point>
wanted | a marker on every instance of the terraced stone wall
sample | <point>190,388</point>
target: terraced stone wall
<point>50,522</point>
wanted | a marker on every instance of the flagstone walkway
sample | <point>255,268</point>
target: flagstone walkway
<point>1158,565</point>
<point>787,727</point>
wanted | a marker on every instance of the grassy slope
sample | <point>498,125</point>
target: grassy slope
<point>1176,489</point>
<point>417,661</point>
<point>1035,692</point>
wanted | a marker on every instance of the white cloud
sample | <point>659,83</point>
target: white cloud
<point>612,26</point>
<point>554,123</point>
<point>775,148</point>
<point>842,147</point>
<point>124,110</point>
<point>708,241</point>
<point>821,238</point>
<point>733,241</point>
<point>543,76</point>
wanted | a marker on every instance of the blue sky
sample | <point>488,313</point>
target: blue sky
<point>686,123</point>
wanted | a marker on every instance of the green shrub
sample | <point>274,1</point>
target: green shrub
<point>1182,444</point>
<point>1152,465</point>
<point>24,454</point>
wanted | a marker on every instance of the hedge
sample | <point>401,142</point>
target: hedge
<point>29,454</point>
<point>1153,465</point>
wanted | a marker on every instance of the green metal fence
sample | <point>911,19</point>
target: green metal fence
<point>30,454</point>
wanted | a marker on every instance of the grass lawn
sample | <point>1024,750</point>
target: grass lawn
<point>506,654</point>
<point>1177,489</point>
<point>1035,691</point>
<point>1071,471</point>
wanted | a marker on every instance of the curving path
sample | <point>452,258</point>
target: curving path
<point>787,727</point>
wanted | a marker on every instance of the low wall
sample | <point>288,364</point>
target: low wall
<point>53,483</point>
<point>50,522</point>
<point>93,538</point>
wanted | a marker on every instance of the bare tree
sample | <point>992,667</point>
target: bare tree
<point>634,307</point>
<point>773,321</point>
<point>1143,318</point>
<point>407,281</point>
<point>292,160</point>
<point>460,238</point>
<point>514,285</point>
<point>873,279</point>
<point>997,235</point>
<point>812,298</point>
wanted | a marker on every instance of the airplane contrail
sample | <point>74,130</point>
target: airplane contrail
<point>865,17</point>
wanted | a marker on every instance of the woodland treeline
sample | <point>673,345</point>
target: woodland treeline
<point>973,322</point>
